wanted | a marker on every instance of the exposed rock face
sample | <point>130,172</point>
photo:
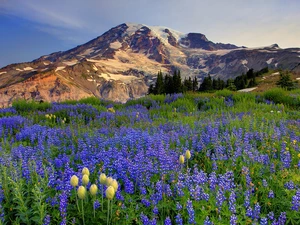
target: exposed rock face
<point>171,39</point>
<point>121,63</point>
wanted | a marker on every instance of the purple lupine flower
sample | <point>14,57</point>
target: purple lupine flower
<point>233,219</point>
<point>249,212</point>
<point>153,222</point>
<point>64,221</point>
<point>97,204</point>
<point>214,166</point>
<point>196,193</point>
<point>47,220</point>
<point>272,168</point>
<point>63,204</point>
<point>129,186</point>
<point>119,196</point>
<point>155,210</point>
<point>144,219</point>
<point>213,181</point>
<point>271,194</point>
<point>227,181</point>
<point>168,190</point>
<point>205,196</point>
<point>146,202</point>
<point>229,101</point>
<point>256,211</point>
<point>168,221</point>
<point>289,185</point>
<point>232,200</point>
<point>178,206</point>
<point>207,221</point>
<point>263,221</point>
<point>285,156</point>
<point>178,219</point>
<point>191,212</point>
<point>271,216</point>
<point>143,191</point>
<point>264,183</point>
<point>179,188</point>
<point>247,199</point>
<point>282,218</point>
<point>296,201</point>
<point>220,198</point>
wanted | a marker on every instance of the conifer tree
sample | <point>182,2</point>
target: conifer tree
<point>206,84</point>
<point>151,89</point>
<point>159,85</point>
<point>187,84</point>
<point>168,84</point>
<point>230,85</point>
<point>285,81</point>
<point>195,84</point>
<point>177,81</point>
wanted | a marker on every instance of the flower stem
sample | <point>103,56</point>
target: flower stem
<point>102,197</point>
<point>76,200</point>
<point>187,165</point>
<point>94,207</point>
<point>107,211</point>
<point>82,211</point>
<point>111,210</point>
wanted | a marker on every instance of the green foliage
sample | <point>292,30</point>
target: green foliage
<point>280,96</point>
<point>285,81</point>
<point>90,101</point>
<point>184,105</point>
<point>223,93</point>
<point>22,106</point>
<point>244,97</point>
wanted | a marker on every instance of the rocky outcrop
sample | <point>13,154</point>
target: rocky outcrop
<point>196,40</point>
<point>116,90</point>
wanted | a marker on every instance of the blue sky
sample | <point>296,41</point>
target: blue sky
<point>32,28</point>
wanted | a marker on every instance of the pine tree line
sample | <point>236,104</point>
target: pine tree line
<point>172,84</point>
<point>247,80</point>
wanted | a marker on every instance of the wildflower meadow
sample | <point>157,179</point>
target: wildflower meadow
<point>210,158</point>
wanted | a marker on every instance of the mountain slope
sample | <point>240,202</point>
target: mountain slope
<point>121,63</point>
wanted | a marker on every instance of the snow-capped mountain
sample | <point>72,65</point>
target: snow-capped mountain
<point>121,63</point>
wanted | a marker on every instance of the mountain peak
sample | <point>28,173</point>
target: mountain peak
<point>122,63</point>
<point>274,46</point>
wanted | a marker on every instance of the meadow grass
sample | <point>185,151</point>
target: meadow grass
<point>211,158</point>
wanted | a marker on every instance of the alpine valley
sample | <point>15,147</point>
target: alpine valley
<point>124,61</point>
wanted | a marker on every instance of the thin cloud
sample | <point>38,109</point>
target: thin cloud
<point>38,12</point>
<point>239,22</point>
